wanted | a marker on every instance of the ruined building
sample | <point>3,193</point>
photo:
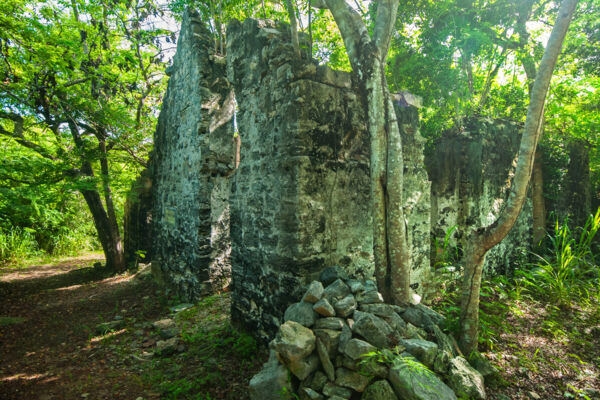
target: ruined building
<point>300,199</point>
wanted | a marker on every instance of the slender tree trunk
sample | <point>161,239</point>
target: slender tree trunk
<point>483,239</point>
<point>293,26</point>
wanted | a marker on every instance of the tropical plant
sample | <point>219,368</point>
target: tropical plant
<point>569,272</point>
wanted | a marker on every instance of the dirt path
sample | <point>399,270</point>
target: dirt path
<point>48,348</point>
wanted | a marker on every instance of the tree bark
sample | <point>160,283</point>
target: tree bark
<point>105,222</point>
<point>483,239</point>
<point>367,56</point>
<point>293,26</point>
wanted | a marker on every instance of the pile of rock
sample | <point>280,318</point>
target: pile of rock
<point>341,341</point>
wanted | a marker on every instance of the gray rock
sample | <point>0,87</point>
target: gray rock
<point>336,398</point>
<point>373,329</point>
<point>346,306</point>
<point>180,307</point>
<point>331,274</point>
<point>483,366</point>
<point>318,381</point>
<point>355,286</point>
<point>397,324</point>
<point>351,379</point>
<point>465,380</point>
<point>422,317</point>
<point>163,323</point>
<point>305,366</point>
<point>424,350</point>
<point>166,328</point>
<point>293,341</point>
<point>444,342</point>
<point>324,308</point>
<point>356,348</point>
<point>379,390</point>
<point>379,309</point>
<point>347,362</point>
<point>369,297</point>
<point>336,291</point>
<point>330,338</point>
<point>166,347</point>
<point>329,323</point>
<point>345,336</point>
<point>370,285</point>
<point>325,361</point>
<point>301,313</point>
<point>413,332</point>
<point>334,390</point>
<point>373,368</point>
<point>270,382</point>
<point>106,327</point>
<point>314,292</point>
<point>411,380</point>
<point>442,362</point>
<point>310,394</point>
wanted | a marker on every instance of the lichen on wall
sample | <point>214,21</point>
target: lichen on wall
<point>470,172</point>
<point>193,159</point>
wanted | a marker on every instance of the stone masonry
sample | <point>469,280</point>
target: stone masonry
<point>470,172</point>
<point>194,155</point>
<point>301,198</point>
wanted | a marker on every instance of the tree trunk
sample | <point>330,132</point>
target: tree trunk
<point>293,26</point>
<point>118,258</point>
<point>111,243</point>
<point>483,239</point>
<point>367,54</point>
<point>105,223</point>
<point>579,193</point>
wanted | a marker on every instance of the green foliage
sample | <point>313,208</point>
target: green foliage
<point>569,272</point>
<point>493,311</point>
<point>16,244</point>
<point>80,87</point>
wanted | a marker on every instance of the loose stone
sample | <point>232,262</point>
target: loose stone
<point>324,308</point>
<point>301,313</point>
<point>314,292</point>
<point>325,361</point>
<point>330,323</point>
<point>346,306</point>
<point>351,379</point>
<point>331,274</point>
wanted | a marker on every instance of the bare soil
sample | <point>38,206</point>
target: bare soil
<point>50,350</point>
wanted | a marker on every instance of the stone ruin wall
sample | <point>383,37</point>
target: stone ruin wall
<point>469,171</point>
<point>193,157</point>
<point>300,200</point>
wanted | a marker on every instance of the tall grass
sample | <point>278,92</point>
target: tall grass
<point>570,271</point>
<point>17,244</point>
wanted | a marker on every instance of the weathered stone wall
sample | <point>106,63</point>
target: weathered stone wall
<point>137,220</point>
<point>301,197</point>
<point>470,173</point>
<point>194,155</point>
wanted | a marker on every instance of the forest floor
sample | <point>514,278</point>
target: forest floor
<point>51,347</point>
